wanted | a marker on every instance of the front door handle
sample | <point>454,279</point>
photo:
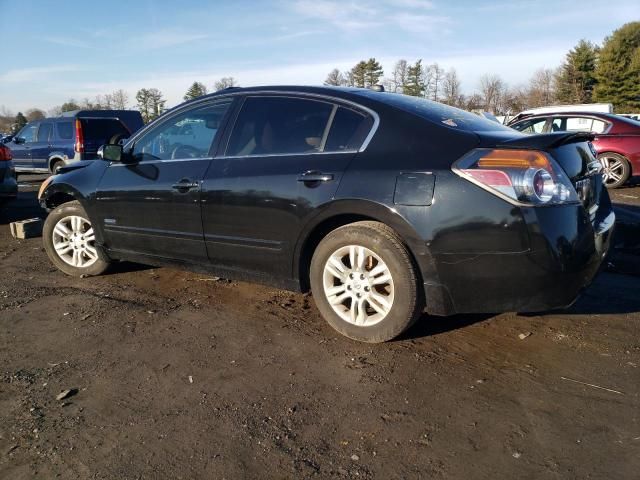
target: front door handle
<point>313,176</point>
<point>185,184</point>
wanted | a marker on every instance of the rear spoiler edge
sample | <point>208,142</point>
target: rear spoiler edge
<point>547,140</point>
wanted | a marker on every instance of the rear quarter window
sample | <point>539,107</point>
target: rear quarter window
<point>348,130</point>
<point>65,130</point>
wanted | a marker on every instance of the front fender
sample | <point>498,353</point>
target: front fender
<point>79,182</point>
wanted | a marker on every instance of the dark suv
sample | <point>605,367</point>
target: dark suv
<point>382,204</point>
<point>43,146</point>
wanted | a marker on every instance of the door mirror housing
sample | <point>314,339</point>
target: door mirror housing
<point>115,153</point>
<point>18,140</point>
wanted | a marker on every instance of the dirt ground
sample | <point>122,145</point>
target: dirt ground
<point>181,376</point>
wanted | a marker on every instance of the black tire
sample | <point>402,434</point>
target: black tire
<point>56,165</point>
<point>67,210</point>
<point>408,300</point>
<point>623,170</point>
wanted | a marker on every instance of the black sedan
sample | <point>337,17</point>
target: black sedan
<point>8,182</point>
<point>383,205</point>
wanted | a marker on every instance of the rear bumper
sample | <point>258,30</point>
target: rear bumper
<point>567,250</point>
<point>8,184</point>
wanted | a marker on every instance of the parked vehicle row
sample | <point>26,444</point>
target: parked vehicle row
<point>616,142</point>
<point>43,146</point>
<point>8,182</point>
<point>383,205</point>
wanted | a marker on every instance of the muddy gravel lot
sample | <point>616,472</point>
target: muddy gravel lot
<point>179,375</point>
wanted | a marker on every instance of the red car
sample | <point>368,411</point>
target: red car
<point>617,139</point>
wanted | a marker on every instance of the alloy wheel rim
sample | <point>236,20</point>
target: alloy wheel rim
<point>358,285</point>
<point>612,169</point>
<point>74,241</point>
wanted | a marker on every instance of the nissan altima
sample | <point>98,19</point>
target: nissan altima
<point>383,205</point>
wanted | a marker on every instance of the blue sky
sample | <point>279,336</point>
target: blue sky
<point>70,49</point>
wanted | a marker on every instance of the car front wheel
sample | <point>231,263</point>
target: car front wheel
<point>364,282</point>
<point>69,240</point>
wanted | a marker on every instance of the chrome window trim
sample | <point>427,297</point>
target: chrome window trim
<point>300,154</point>
<point>283,93</point>
<point>168,160</point>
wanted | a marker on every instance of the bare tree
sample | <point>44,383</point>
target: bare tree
<point>335,78</point>
<point>120,99</point>
<point>451,88</point>
<point>399,76</point>
<point>434,87</point>
<point>541,88</point>
<point>492,89</point>
<point>34,114</point>
<point>225,82</point>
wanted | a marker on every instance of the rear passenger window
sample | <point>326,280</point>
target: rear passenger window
<point>279,125</point>
<point>65,130</point>
<point>348,130</point>
<point>531,126</point>
<point>44,132</point>
<point>579,124</point>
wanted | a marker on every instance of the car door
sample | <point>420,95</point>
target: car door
<point>41,148</point>
<point>21,146</point>
<point>284,159</point>
<point>152,206</point>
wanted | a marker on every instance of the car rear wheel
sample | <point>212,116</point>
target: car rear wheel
<point>615,169</point>
<point>69,240</point>
<point>364,282</point>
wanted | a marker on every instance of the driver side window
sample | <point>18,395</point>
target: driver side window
<point>185,136</point>
<point>28,133</point>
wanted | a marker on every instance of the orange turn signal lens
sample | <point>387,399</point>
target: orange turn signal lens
<point>514,159</point>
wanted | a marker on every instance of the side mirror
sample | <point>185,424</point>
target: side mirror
<point>114,153</point>
<point>18,140</point>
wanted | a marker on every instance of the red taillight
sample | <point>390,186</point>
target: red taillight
<point>79,147</point>
<point>5,153</point>
<point>522,177</point>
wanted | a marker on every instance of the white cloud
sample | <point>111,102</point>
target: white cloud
<point>407,15</point>
<point>22,75</point>
<point>165,39</point>
<point>67,42</point>
<point>421,23</point>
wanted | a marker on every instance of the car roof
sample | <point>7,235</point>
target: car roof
<point>434,112</point>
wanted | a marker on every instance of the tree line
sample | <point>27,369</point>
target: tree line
<point>609,73</point>
<point>589,73</point>
<point>149,101</point>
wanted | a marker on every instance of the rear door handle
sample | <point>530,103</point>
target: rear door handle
<point>313,176</point>
<point>185,184</point>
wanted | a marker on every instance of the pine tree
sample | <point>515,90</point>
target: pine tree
<point>415,80</point>
<point>576,78</point>
<point>373,72</point>
<point>618,70</point>
<point>359,74</point>
<point>196,90</point>
<point>19,122</point>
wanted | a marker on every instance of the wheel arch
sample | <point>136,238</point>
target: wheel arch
<point>344,212</point>
<point>58,193</point>
<point>53,158</point>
